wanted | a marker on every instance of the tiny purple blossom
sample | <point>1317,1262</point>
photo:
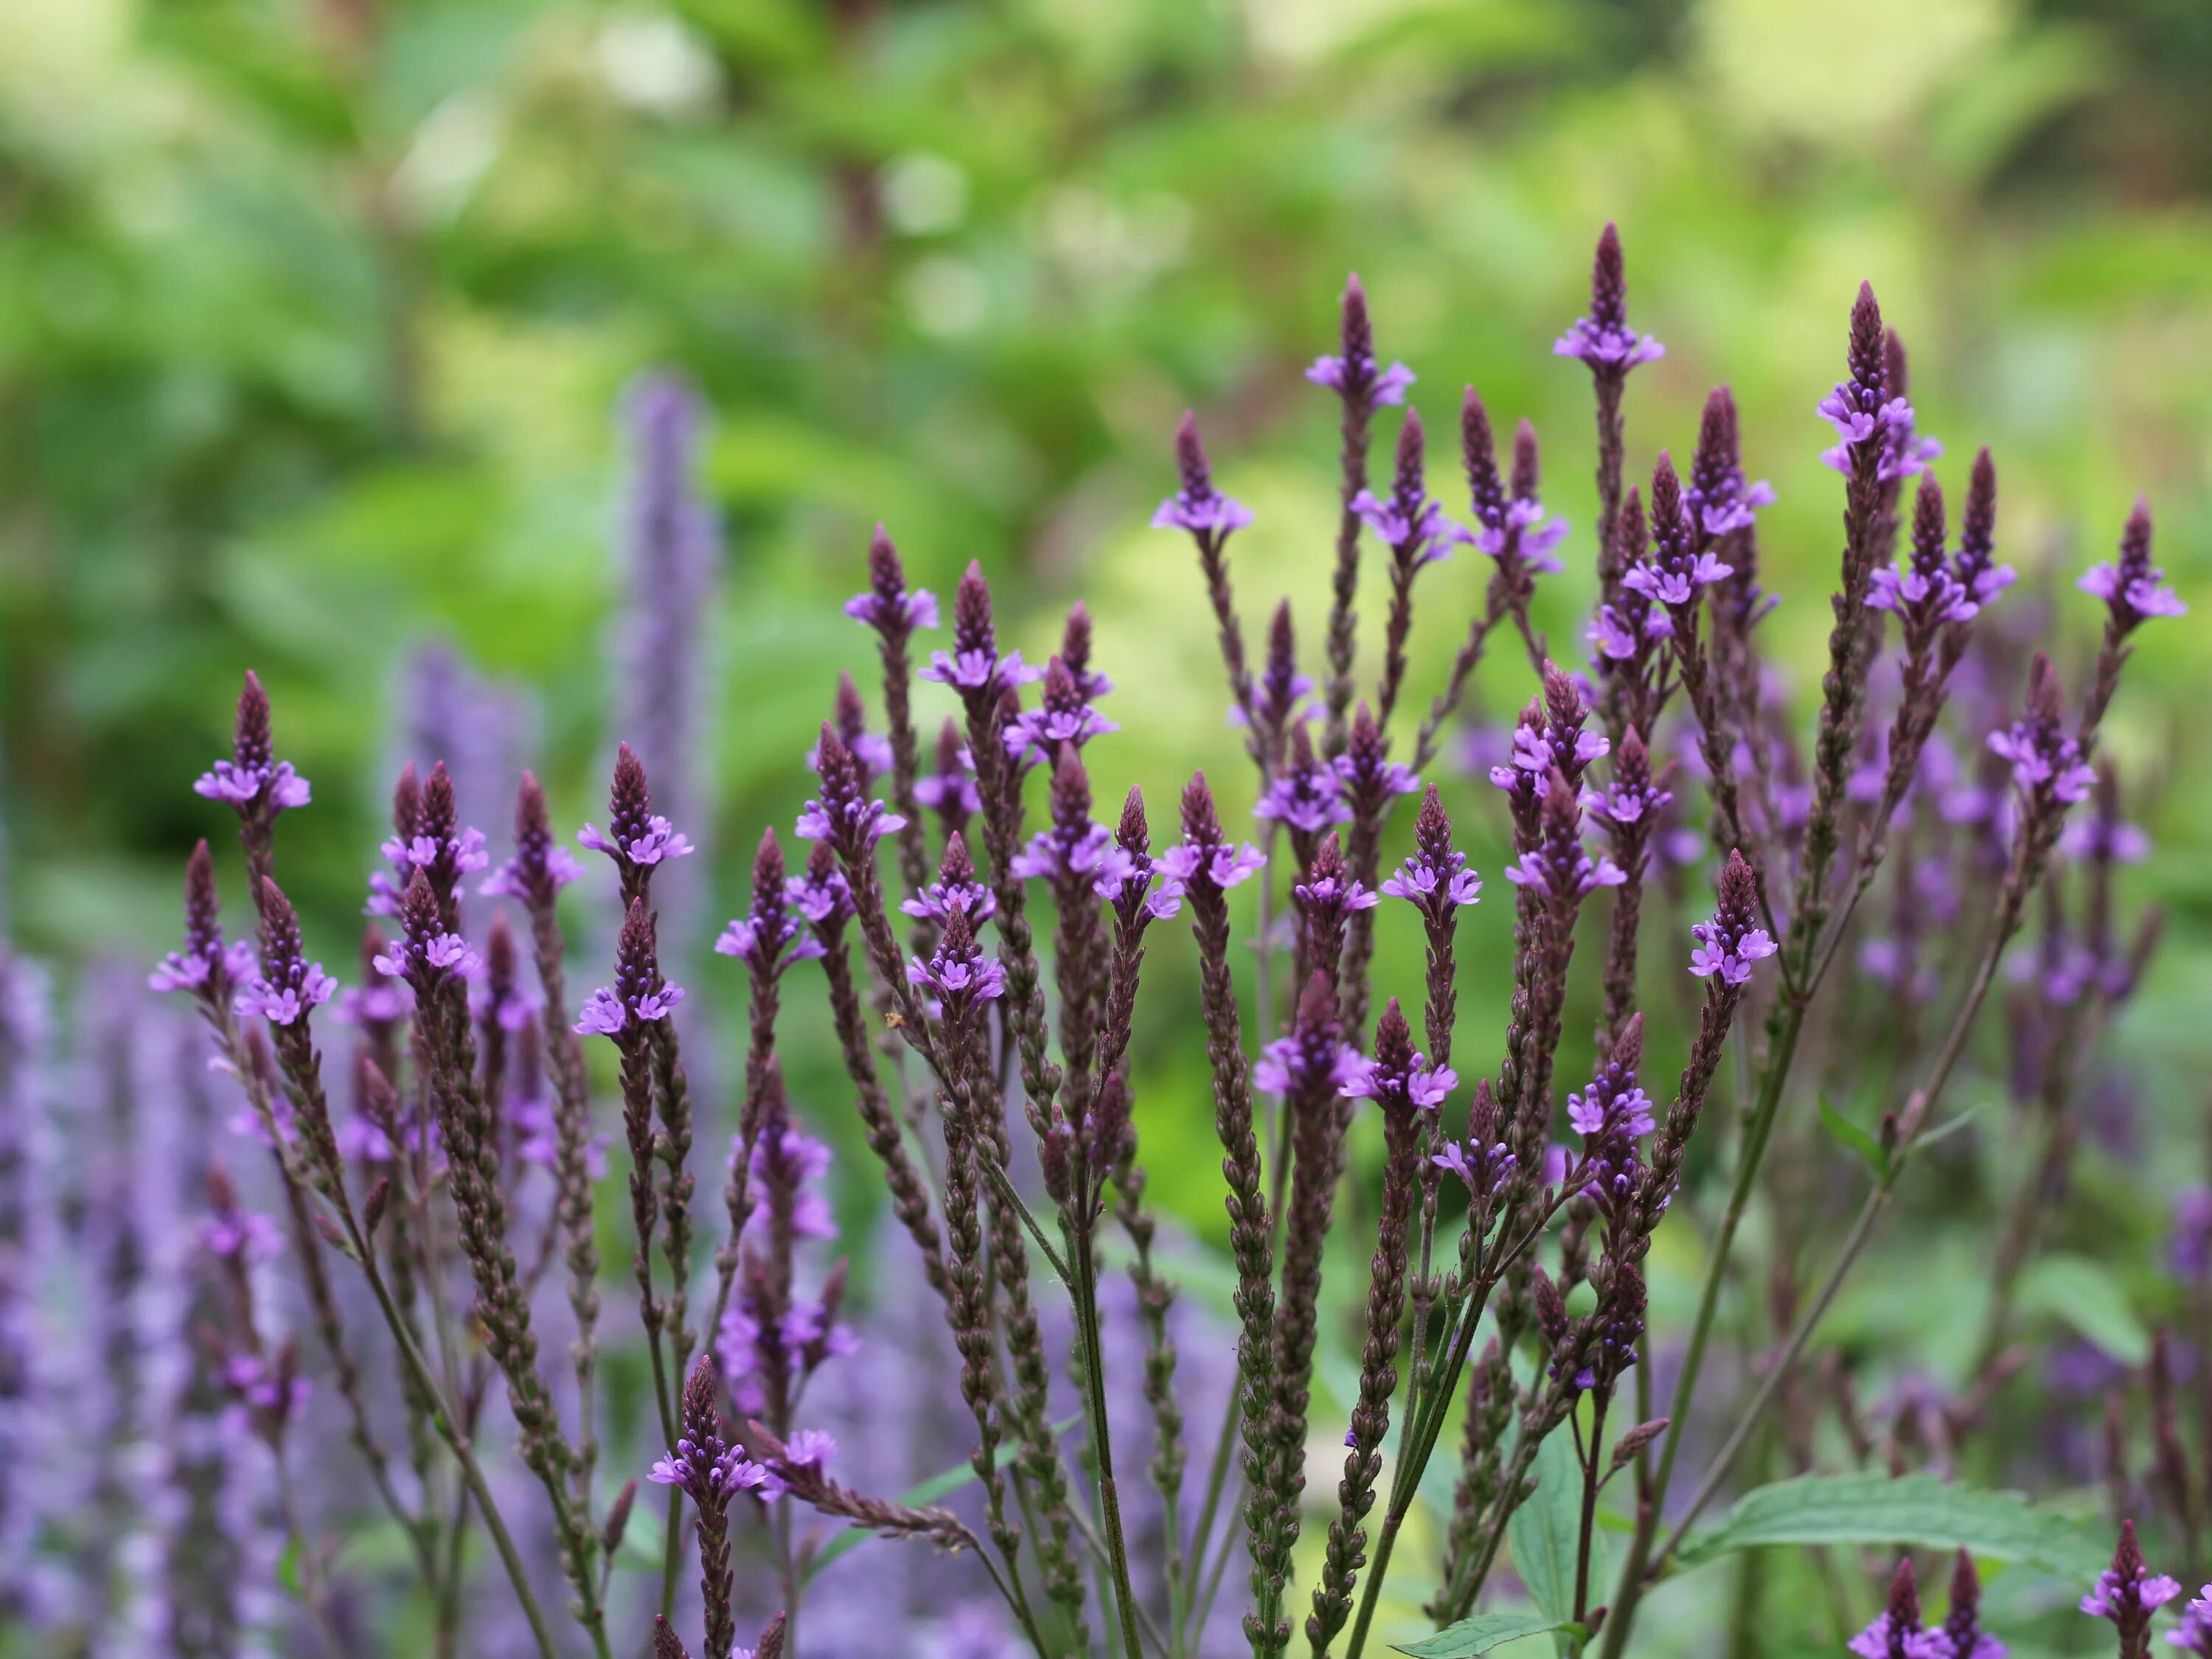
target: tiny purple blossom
<point>285,1005</point>
<point>1226,863</point>
<point>660,842</point>
<point>242,786</point>
<point>1388,385</point>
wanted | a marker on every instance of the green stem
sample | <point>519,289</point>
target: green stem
<point>1094,1367</point>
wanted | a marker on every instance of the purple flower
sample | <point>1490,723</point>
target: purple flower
<point>442,953</point>
<point>284,1003</point>
<point>1298,1062</point>
<point>1125,873</point>
<point>1352,373</point>
<point>1389,386</point>
<point>979,671</point>
<point>1732,940</point>
<point>955,889</point>
<point>510,878</point>
<point>1606,347</point>
<point>1573,876</point>
<point>1307,799</point>
<point>2194,1635</point>
<point>1603,339</point>
<point>843,814</point>
<point>2113,1596</point>
<point>180,972</point>
<point>1223,863</point>
<point>2043,758</point>
<point>1368,775</point>
<point>1411,523</point>
<point>768,945</point>
<point>1874,1642</point>
<point>2132,587</point>
<point>1677,567</point>
<point>604,1014</point>
<point>1424,883</point>
<point>1596,1112</point>
<point>1051,855</point>
<point>1197,506</point>
<point>244,786</point>
<point>1418,1083</point>
<point>957,975</point>
<point>819,893</point>
<point>661,841</point>
<point>1524,532</point>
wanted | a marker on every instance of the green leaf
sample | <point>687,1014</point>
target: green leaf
<point>2086,1295</point>
<point>1857,1139</point>
<point>1918,1510</point>
<point>1480,1634</point>
<point>1545,1531</point>
<point>938,1485</point>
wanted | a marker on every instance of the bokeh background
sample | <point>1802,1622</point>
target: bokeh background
<point>315,317</point>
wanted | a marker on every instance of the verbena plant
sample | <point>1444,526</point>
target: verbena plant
<point>1502,1328</point>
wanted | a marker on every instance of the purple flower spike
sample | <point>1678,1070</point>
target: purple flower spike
<point>1976,566</point>
<point>1197,506</point>
<point>253,780</point>
<point>639,996</point>
<point>2133,589</point>
<point>1352,374</point>
<point>1732,940</point>
<point>1435,879</point>
<point>1603,339</point>
<point>888,607</point>
<point>1400,1075</point>
<point>2127,1593</point>
<point>1677,569</point>
<point>1410,522</point>
<point>771,937</point>
<point>843,814</point>
<point>1896,1632</point>
<point>1306,797</point>
<point>2046,764</point>
<point>539,868</point>
<point>958,976</point>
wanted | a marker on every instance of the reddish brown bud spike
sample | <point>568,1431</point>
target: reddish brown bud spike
<point>1356,332</point>
<point>1527,469</point>
<point>1133,834</point>
<point>1904,1598</point>
<point>955,866</point>
<point>1628,1049</point>
<point>1200,822</point>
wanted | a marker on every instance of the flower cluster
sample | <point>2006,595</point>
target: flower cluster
<point>1603,339</point>
<point>1733,940</point>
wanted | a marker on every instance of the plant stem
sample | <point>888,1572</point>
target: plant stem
<point>1094,1368</point>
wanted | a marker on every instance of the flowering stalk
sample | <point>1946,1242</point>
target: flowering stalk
<point>534,877</point>
<point>284,991</point>
<point>1208,866</point>
<point>1407,1092</point>
<point>896,613</point>
<point>1362,386</point>
<point>1211,519</point>
<point>1606,343</point>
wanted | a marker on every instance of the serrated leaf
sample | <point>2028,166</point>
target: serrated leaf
<point>1480,1634</point>
<point>1918,1510</point>
<point>2086,1296</point>
<point>1869,1149</point>
<point>1545,1531</point>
